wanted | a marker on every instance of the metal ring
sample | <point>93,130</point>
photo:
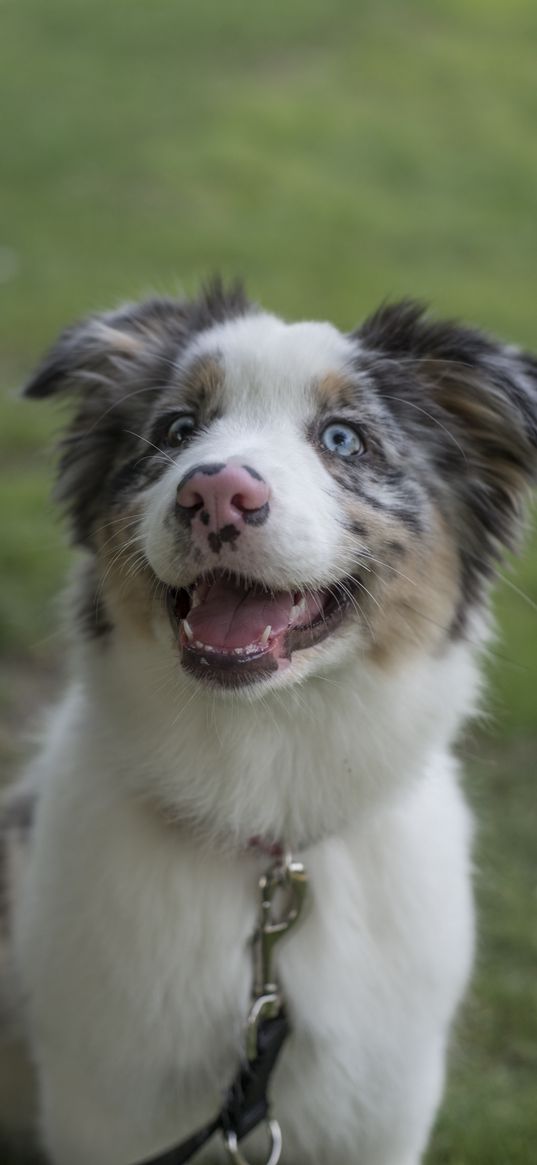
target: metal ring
<point>232,1145</point>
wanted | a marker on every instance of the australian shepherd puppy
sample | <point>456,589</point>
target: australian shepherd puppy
<point>288,539</point>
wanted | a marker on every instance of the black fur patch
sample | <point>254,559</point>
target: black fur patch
<point>408,517</point>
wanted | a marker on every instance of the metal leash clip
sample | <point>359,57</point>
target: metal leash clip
<point>287,880</point>
<point>283,886</point>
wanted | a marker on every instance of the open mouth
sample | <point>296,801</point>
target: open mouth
<point>233,632</point>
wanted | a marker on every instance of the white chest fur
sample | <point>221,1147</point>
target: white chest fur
<point>134,948</point>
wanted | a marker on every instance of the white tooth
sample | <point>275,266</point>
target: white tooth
<point>195,599</point>
<point>198,643</point>
<point>266,634</point>
<point>188,630</point>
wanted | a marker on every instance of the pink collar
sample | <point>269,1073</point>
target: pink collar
<point>269,849</point>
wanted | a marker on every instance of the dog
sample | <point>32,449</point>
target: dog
<point>288,537</point>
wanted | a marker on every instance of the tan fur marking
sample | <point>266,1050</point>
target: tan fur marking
<point>334,392</point>
<point>413,593</point>
<point>419,601</point>
<point>205,381</point>
<point>122,342</point>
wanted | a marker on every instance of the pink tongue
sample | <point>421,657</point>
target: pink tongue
<point>232,617</point>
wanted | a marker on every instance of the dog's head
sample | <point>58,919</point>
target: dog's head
<point>270,499</point>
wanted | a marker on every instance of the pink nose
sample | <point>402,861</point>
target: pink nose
<point>224,495</point>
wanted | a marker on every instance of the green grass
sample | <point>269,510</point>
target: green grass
<point>489,1116</point>
<point>334,154</point>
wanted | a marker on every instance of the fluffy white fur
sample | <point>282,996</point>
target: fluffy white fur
<point>134,922</point>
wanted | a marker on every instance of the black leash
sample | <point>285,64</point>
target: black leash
<point>187,1149</point>
<point>246,1103</point>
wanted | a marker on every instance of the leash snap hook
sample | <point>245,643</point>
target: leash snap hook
<point>289,878</point>
<point>235,1155</point>
<point>286,877</point>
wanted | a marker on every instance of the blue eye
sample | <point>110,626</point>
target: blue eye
<point>342,440</point>
<point>180,430</point>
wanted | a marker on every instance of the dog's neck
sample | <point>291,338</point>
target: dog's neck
<point>296,765</point>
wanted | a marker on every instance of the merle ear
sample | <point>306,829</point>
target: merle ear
<point>470,403</point>
<point>101,349</point>
<point>104,348</point>
<point>112,364</point>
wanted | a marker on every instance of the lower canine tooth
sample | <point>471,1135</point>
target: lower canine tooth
<point>188,630</point>
<point>266,635</point>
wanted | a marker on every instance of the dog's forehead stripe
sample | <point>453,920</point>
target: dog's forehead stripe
<point>268,363</point>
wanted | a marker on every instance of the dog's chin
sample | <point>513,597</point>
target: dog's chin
<point>233,633</point>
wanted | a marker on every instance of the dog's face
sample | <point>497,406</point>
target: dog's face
<point>271,500</point>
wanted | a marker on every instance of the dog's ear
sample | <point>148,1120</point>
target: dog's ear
<point>113,365</point>
<point>96,352</point>
<point>470,404</point>
<point>105,349</point>
<point>109,364</point>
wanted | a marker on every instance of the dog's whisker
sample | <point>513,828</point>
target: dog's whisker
<point>165,456</point>
<point>419,408</point>
<point>119,520</point>
<point>118,532</point>
<point>128,396</point>
<point>359,609</point>
<point>373,597</point>
<point>120,556</point>
<point>394,569</point>
<point>518,591</point>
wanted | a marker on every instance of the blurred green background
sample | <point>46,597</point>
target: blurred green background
<point>333,153</point>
